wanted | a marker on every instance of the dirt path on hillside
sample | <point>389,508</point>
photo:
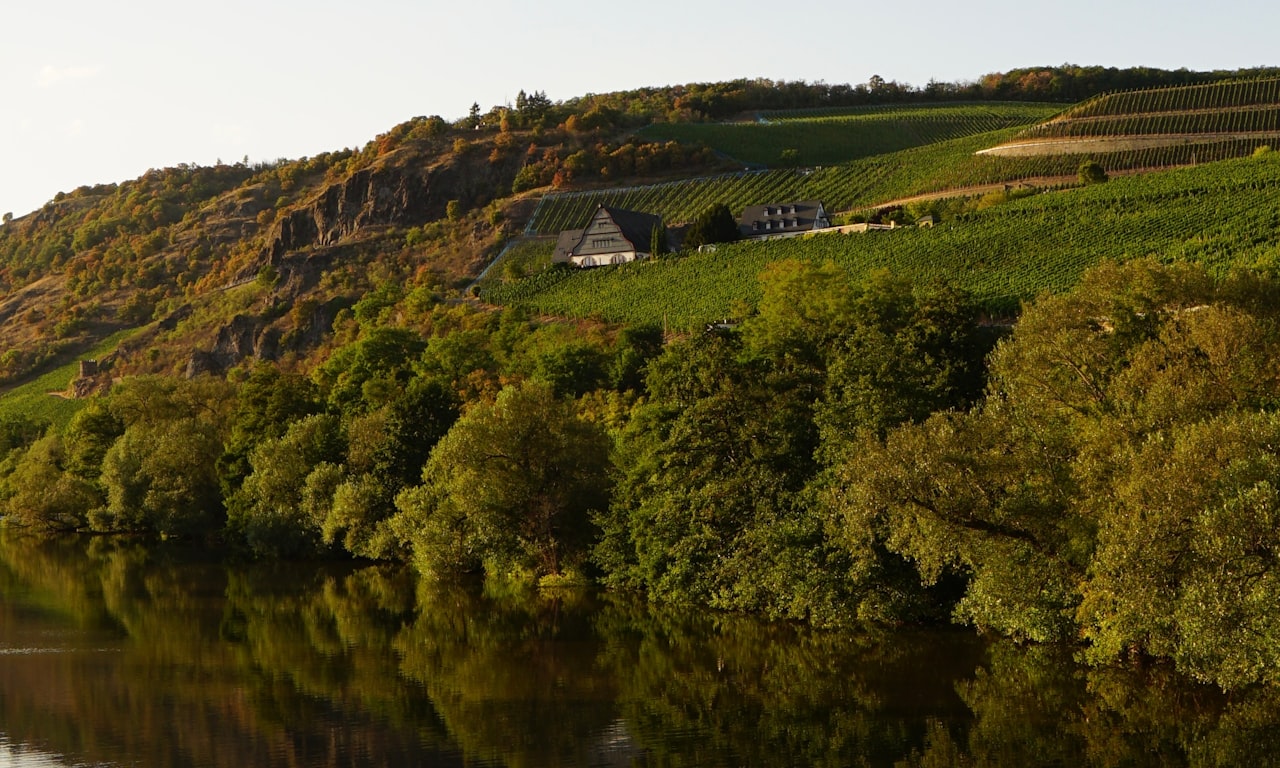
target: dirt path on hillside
<point>1083,145</point>
<point>979,189</point>
<point>1042,182</point>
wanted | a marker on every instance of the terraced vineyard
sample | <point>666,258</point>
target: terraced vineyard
<point>1220,97</point>
<point>1232,111</point>
<point>833,137</point>
<point>1222,214</point>
<point>1171,127</point>
<point>950,165</point>
<point>944,165</point>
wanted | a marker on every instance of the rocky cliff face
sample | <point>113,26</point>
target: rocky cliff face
<point>399,194</point>
<point>370,196</point>
<point>306,241</point>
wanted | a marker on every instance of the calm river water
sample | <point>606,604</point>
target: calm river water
<point>114,654</point>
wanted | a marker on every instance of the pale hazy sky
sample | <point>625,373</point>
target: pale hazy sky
<point>99,92</point>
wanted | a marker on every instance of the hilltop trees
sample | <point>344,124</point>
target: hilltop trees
<point>532,108</point>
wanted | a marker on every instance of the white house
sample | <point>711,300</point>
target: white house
<point>613,236</point>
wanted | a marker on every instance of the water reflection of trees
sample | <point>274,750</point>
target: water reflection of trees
<point>210,665</point>
<point>188,661</point>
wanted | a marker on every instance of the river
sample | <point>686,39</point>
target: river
<point>117,654</point>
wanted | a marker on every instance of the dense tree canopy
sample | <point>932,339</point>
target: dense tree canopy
<point>512,487</point>
<point>1104,472</point>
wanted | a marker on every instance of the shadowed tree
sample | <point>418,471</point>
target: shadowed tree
<point>714,225</point>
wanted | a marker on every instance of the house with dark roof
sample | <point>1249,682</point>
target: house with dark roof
<point>613,236</point>
<point>764,222</point>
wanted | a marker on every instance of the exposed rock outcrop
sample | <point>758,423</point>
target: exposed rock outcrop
<point>391,194</point>
<point>369,196</point>
<point>306,242</point>
<point>244,337</point>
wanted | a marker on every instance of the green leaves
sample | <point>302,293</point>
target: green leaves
<point>513,484</point>
<point>1118,484</point>
<point>1188,554</point>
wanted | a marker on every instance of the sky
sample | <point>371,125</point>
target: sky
<point>98,92</point>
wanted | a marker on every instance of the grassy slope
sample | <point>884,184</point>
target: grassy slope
<point>1222,214</point>
<point>39,398</point>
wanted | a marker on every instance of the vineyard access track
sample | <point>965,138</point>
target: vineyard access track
<point>1084,145</point>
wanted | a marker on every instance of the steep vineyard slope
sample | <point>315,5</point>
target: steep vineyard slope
<point>1222,214</point>
<point>1182,124</point>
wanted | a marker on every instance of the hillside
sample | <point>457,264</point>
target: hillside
<point>204,269</point>
<point>209,267</point>
<point>1047,412</point>
<point>1221,215</point>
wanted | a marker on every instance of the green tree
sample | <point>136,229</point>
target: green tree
<point>634,347</point>
<point>162,479</point>
<point>513,485</point>
<point>40,493</point>
<point>267,402</point>
<point>1188,557</point>
<point>976,495</point>
<point>19,431</point>
<point>714,225</point>
<point>363,375</point>
<point>89,436</point>
<point>658,240</point>
<point>266,511</point>
<point>1091,172</point>
<point>386,452</point>
<point>710,508</point>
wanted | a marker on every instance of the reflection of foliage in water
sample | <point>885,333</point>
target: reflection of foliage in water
<point>512,675</point>
<point>719,689</point>
<point>1033,706</point>
<point>256,664</point>
<point>210,665</point>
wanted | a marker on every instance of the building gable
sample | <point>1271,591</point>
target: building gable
<point>613,236</point>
